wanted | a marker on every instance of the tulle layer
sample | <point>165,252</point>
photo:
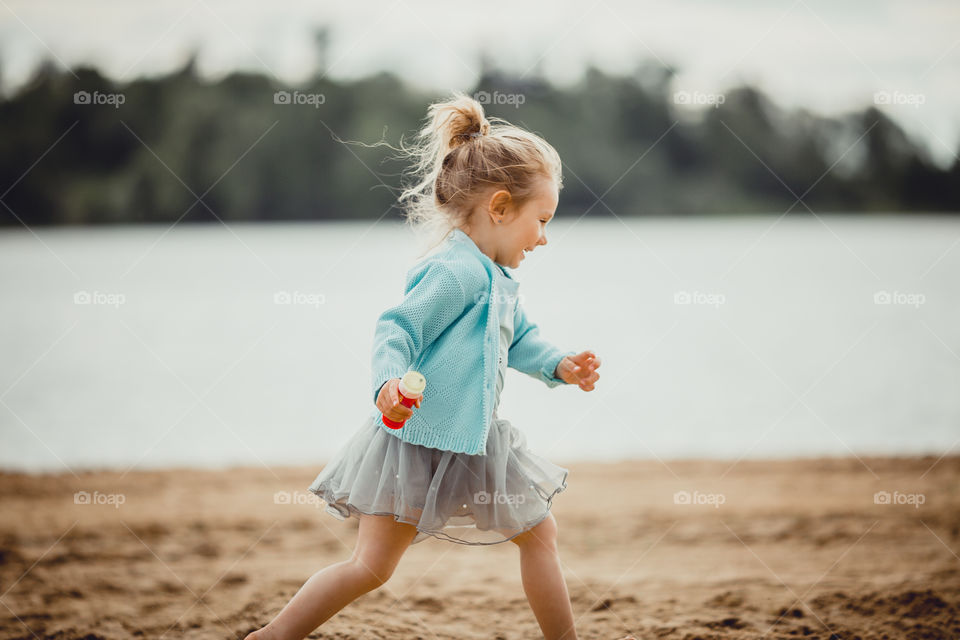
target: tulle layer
<point>468,499</point>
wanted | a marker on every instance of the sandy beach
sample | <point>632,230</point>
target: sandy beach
<point>772,549</point>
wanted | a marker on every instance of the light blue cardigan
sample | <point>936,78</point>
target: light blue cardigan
<point>447,328</point>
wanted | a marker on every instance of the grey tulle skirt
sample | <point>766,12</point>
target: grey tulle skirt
<point>468,499</point>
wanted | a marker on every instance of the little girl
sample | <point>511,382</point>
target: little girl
<point>455,470</point>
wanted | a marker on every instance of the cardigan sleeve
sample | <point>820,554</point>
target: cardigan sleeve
<point>433,299</point>
<point>530,353</point>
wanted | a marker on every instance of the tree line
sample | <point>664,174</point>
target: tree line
<point>78,148</point>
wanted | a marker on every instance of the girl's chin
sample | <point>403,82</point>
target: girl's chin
<point>516,261</point>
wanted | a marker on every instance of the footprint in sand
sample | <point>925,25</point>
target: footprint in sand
<point>429,604</point>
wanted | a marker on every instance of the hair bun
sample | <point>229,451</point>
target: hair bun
<point>458,121</point>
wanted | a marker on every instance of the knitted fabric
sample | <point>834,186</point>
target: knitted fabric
<point>447,328</point>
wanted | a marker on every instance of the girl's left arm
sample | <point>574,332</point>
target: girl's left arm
<point>531,354</point>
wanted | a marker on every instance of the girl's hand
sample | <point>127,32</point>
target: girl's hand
<point>579,369</point>
<point>388,402</point>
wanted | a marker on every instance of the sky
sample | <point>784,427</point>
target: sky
<point>827,56</point>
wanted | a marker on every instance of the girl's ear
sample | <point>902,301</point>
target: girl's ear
<point>499,203</point>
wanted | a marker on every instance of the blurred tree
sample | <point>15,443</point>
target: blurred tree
<point>253,156</point>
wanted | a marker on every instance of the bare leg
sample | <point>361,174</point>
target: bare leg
<point>380,544</point>
<point>543,581</point>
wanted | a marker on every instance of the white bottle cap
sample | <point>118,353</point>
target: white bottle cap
<point>412,384</point>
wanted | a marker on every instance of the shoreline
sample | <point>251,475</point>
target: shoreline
<point>931,458</point>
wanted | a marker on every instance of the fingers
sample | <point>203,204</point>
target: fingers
<point>393,409</point>
<point>585,369</point>
<point>398,412</point>
<point>581,358</point>
<point>587,383</point>
<point>584,358</point>
<point>588,363</point>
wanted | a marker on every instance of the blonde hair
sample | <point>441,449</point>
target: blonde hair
<point>460,154</point>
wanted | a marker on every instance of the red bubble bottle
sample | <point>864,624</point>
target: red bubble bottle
<point>410,388</point>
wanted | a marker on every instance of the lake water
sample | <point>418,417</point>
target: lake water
<point>144,347</point>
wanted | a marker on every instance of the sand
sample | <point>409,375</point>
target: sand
<point>772,549</point>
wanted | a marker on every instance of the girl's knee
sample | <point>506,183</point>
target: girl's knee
<point>381,544</point>
<point>544,535</point>
<point>370,575</point>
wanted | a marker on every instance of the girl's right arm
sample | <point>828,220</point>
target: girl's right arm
<point>433,299</point>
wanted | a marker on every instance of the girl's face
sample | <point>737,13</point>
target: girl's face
<point>524,229</point>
